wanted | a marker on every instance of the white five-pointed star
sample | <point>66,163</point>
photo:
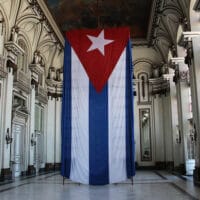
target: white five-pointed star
<point>98,42</point>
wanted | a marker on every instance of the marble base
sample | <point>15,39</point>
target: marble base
<point>169,165</point>
<point>49,167</point>
<point>57,166</point>
<point>196,176</point>
<point>6,174</point>
<point>31,170</point>
<point>181,169</point>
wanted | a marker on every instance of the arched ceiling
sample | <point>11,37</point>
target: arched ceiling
<point>153,23</point>
<point>104,13</point>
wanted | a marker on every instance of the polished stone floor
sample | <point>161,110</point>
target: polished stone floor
<point>148,185</point>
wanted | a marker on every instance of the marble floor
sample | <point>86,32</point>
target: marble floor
<point>148,185</point>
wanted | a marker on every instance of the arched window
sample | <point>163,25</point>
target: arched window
<point>22,58</point>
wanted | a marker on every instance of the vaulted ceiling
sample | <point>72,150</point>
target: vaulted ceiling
<point>153,23</point>
<point>103,13</point>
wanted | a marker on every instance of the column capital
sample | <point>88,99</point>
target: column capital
<point>188,45</point>
<point>177,60</point>
<point>181,73</point>
<point>190,34</point>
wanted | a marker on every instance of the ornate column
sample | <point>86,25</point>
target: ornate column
<point>172,98</point>
<point>31,168</point>
<point>192,41</point>
<point>54,87</point>
<point>162,116</point>
<point>58,128</point>
<point>51,120</point>
<point>12,52</point>
<point>1,36</point>
<point>159,131</point>
<point>50,160</point>
<point>6,171</point>
<point>39,95</point>
<point>181,79</point>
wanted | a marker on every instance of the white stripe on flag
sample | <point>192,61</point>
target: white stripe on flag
<point>117,125</point>
<point>80,122</point>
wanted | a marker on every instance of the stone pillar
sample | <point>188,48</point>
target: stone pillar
<point>192,40</point>
<point>168,131</point>
<point>184,113</point>
<point>136,123</point>
<point>158,128</point>
<point>58,134</point>
<point>31,168</point>
<point>50,160</point>
<point>7,132</point>
<point>174,119</point>
<point>1,36</point>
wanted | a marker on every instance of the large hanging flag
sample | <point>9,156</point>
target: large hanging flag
<point>97,107</point>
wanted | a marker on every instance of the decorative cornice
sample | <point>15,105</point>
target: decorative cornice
<point>14,48</point>
<point>159,85</point>
<point>36,68</point>
<point>54,88</point>
<point>13,51</point>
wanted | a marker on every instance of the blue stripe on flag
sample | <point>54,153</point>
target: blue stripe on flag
<point>66,114</point>
<point>98,136</point>
<point>130,150</point>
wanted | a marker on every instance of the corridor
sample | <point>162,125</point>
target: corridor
<point>148,185</point>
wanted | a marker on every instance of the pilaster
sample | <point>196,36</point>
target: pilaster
<point>174,118</point>
<point>50,160</point>
<point>1,36</point>
<point>7,132</point>
<point>181,79</point>
<point>158,128</point>
<point>31,169</point>
<point>192,41</point>
<point>58,132</point>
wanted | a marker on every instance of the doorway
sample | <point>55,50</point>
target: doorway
<point>18,134</point>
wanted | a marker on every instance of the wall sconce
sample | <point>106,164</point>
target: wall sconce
<point>9,139</point>
<point>33,142</point>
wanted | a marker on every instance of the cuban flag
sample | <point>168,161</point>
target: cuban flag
<point>97,107</point>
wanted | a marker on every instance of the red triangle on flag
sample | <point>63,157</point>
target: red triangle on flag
<point>99,51</point>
